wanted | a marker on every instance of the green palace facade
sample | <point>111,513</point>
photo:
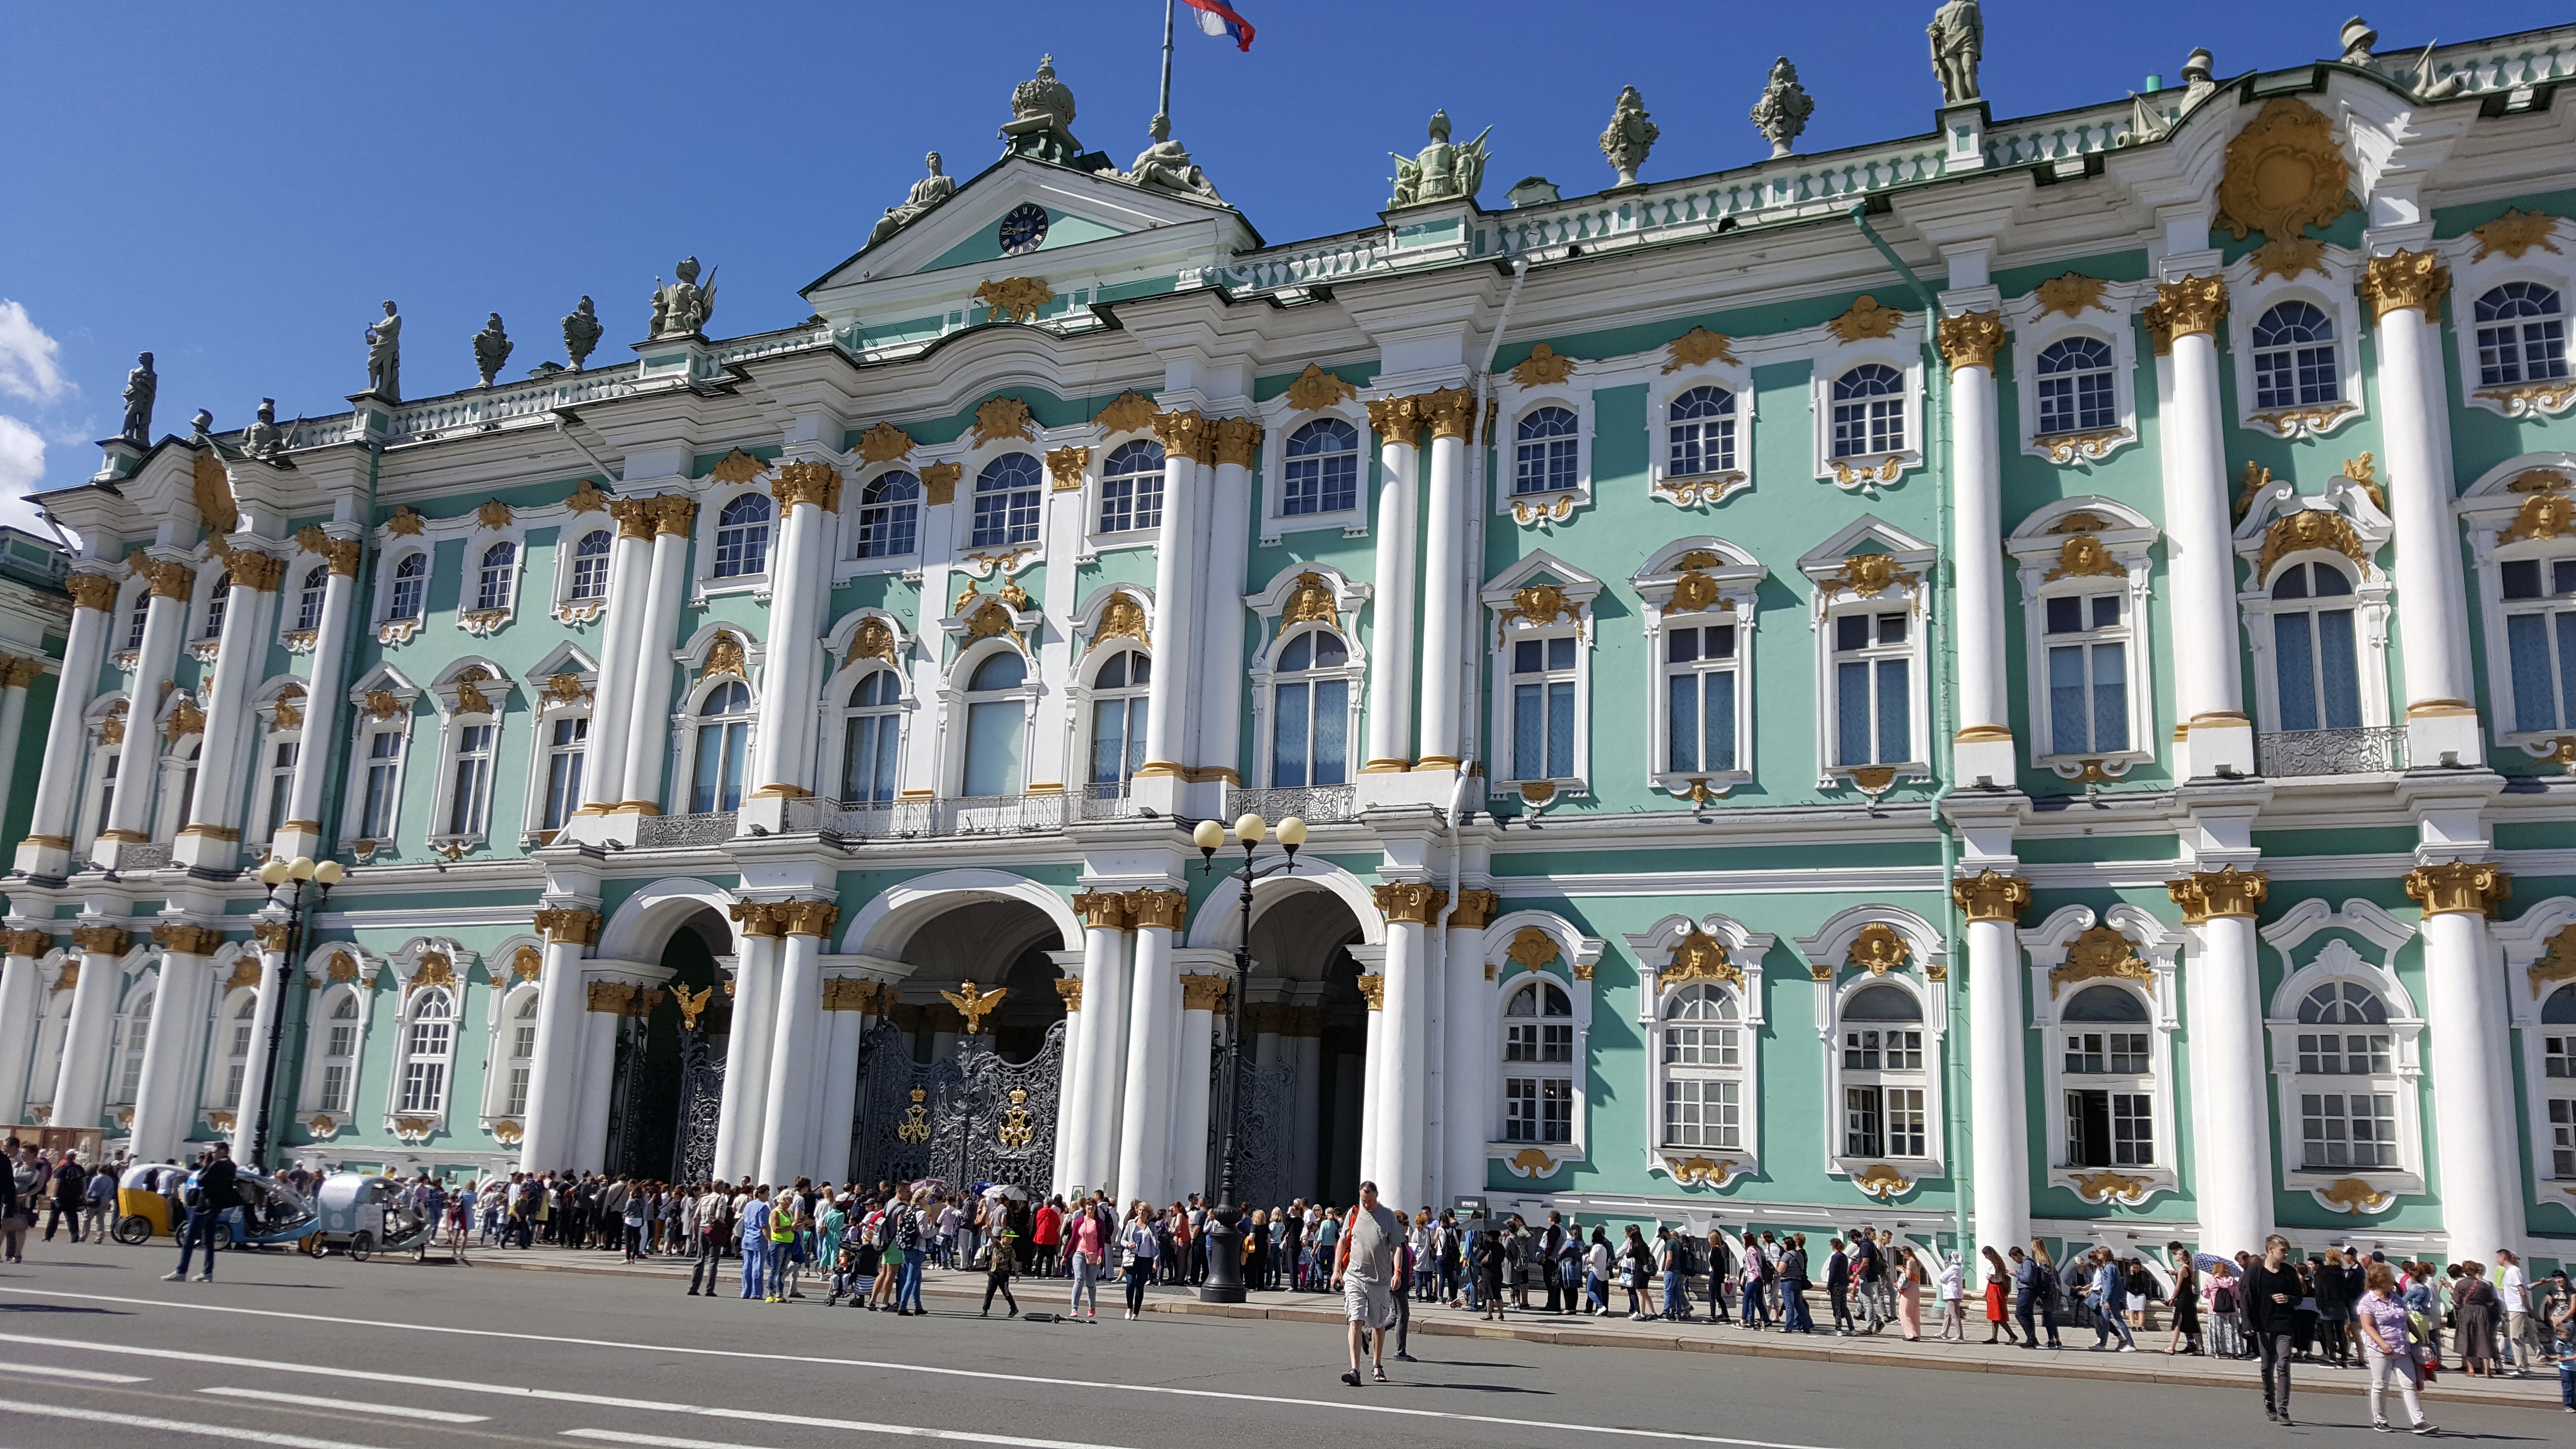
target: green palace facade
<point>2019,681</point>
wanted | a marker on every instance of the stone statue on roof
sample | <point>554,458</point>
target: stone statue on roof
<point>683,307</point>
<point>2358,39</point>
<point>581,333</point>
<point>1441,171</point>
<point>1958,34</point>
<point>384,356</point>
<point>1167,164</point>
<point>264,439</point>
<point>1041,123</point>
<point>926,193</point>
<point>492,349</point>
<point>1782,112</point>
<point>142,384</point>
<point>1631,135</point>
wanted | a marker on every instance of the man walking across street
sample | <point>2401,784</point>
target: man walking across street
<point>1364,1269</point>
<point>214,1196</point>
<point>2272,1295</point>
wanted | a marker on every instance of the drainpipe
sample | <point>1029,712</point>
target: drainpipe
<point>1945,591</point>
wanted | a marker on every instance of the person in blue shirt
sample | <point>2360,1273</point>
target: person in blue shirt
<point>754,1228</point>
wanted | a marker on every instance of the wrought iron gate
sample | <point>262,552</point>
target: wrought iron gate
<point>632,1097</point>
<point>701,1103</point>
<point>969,1118</point>
<point>1265,1125</point>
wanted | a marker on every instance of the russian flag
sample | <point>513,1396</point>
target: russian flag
<point>1219,19</point>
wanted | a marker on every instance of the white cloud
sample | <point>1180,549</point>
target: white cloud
<point>28,366</point>
<point>22,463</point>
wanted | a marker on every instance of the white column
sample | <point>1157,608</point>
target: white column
<point>213,839</point>
<point>1068,988</point>
<point>2232,1152</point>
<point>47,850</point>
<point>1199,997</point>
<point>164,620</point>
<point>1398,1095</point>
<point>1984,743</point>
<point>785,1124</point>
<point>1099,1057</point>
<point>2208,652</point>
<point>2471,1056</point>
<point>1390,686</point>
<point>782,744</point>
<point>649,724</point>
<point>2432,602</point>
<point>19,1019</point>
<point>80,1080</point>
<point>612,708</point>
<point>844,1023</point>
<point>165,1098</point>
<point>554,1071</point>
<point>267,1000</point>
<point>599,1027</point>
<point>744,1108</point>
<point>1463,1051</point>
<point>1372,1104</point>
<point>1169,731</point>
<point>1444,565</point>
<point>300,833</point>
<point>1227,551</point>
<point>1999,1158</point>
<point>16,677</point>
<point>1153,1024</point>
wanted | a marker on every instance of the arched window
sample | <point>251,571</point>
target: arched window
<point>1869,411</point>
<point>2522,335</point>
<point>238,1049</point>
<point>2540,638</point>
<point>1703,1064</point>
<point>890,516</point>
<point>1543,451</point>
<point>308,599</point>
<point>2110,1099</point>
<point>742,537</point>
<point>1323,469</point>
<point>500,563</point>
<point>2558,1072</point>
<point>428,1041</point>
<point>218,600</point>
<point>523,1055</point>
<point>1006,501</point>
<point>996,723</point>
<point>871,739</point>
<point>1538,1063</point>
<point>1120,698</point>
<point>340,1056</point>
<point>724,732</point>
<point>133,1037</point>
<point>590,565</point>
<point>1883,1074</point>
<point>1310,739</point>
<point>2350,1118</point>
<point>1131,487</point>
<point>2314,657</point>
<point>2075,386</point>
<point>411,586</point>
<point>1702,432</point>
<point>2294,357</point>
<point>134,621</point>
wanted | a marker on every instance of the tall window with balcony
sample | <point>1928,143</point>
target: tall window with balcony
<point>2540,638</point>
<point>1703,1070</point>
<point>1310,697</point>
<point>308,598</point>
<point>2110,1079</point>
<point>996,724</point>
<point>2315,660</point>
<point>411,587</point>
<point>492,582</point>
<point>2522,335</point>
<point>1701,702</point>
<point>723,748</point>
<point>1131,488</point>
<point>1120,690</point>
<point>1543,699</point>
<point>872,739</point>
<point>1545,453</point>
<point>1883,1075</point>
<point>567,748</point>
<point>1869,411</point>
<point>2294,358</point>
<point>742,537</point>
<point>890,516</point>
<point>590,567</point>
<point>1538,1063</point>
<point>429,1043</point>
<point>1322,473</point>
<point>1006,501</point>
<point>1700,433</point>
<point>1873,687</point>
<point>2075,386</point>
<point>2347,1086</point>
<point>2088,673</point>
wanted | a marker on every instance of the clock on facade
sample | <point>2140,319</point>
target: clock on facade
<point>1025,229</point>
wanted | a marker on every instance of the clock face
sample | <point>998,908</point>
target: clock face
<point>1024,230</point>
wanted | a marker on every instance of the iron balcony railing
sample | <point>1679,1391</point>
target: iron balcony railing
<point>669,832</point>
<point>2380,749</point>
<point>1314,804</point>
<point>917,819</point>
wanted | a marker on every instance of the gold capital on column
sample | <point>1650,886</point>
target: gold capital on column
<point>103,940</point>
<point>1186,435</point>
<point>182,939</point>
<point>257,572</point>
<point>2210,894</point>
<point>807,918</point>
<point>634,517</point>
<point>2181,309</point>
<point>611,997</point>
<point>2461,886</point>
<point>1373,986</point>
<point>25,943</point>
<point>92,591</point>
<point>1397,419</point>
<point>168,580</point>
<point>1451,412</point>
<point>1164,909</point>
<point>1992,896</point>
<point>849,993</point>
<point>19,673</point>
<point>673,513</point>
<point>271,935</point>
<point>1238,441</point>
<point>1405,903</point>
<point>1101,910</point>
<point>1476,910</point>
<point>2405,279</point>
<point>759,919</point>
<point>1970,339</point>
<point>1070,988</point>
<point>1202,993</point>
<point>807,482</point>
<point>568,925</point>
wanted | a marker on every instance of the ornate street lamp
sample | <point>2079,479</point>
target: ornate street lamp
<point>1225,1240</point>
<point>276,874</point>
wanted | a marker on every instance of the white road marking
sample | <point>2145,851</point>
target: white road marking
<point>558,1341</point>
<point>908,1431</point>
<point>102,1419</point>
<point>400,1411</point>
<point>86,1376</point>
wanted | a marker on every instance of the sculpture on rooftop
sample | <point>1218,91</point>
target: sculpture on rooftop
<point>1784,108</point>
<point>142,384</point>
<point>683,307</point>
<point>491,349</point>
<point>1631,135</point>
<point>926,193</point>
<point>1958,34</point>
<point>384,356</point>
<point>264,439</point>
<point>1167,164</point>
<point>1441,172</point>
<point>202,426</point>
<point>581,333</point>
<point>2357,39</point>
<point>1041,123</point>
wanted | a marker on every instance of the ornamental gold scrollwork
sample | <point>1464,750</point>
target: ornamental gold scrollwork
<point>1699,956</point>
<point>2072,294</point>
<point>1311,601</point>
<point>807,481</point>
<point>494,514</point>
<point>1238,441</point>
<point>634,517</point>
<point>1315,389</point>
<point>939,483</point>
<point>1544,367</point>
<point>2083,556</point>
<point>1016,1128</point>
<point>2542,515</point>
<point>102,940</point>
<point>2557,963</point>
<point>873,639</point>
<point>1157,910</point>
<point>690,1005</point>
<point>1408,903</point>
<point>2352,1195</point>
<point>724,656</point>
<point>567,925</point>
<point>405,522</point>
<point>433,969</point>
<point>1123,618</point>
<point>2214,894</point>
<point>1868,575</point>
<point>2190,307</point>
<point>1399,420</point>
<point>1372,987</point>
<point>1451,412</point>
<point>2283,173</point>
<point>258,572</point>
<point>92,591</point>
<point>737,467</point>
<point>2288,257</point>
<point>1878,949</point>
<point>2310,528</point>
<point>213,490</point>
<point>2124,1188</point>
<point>1992,896</point>
<point>1129,412</point>
<point>1002,417</point>
<point>1017,298</point>
<point>2100,954</point>
<point>1867,318</point>
<point>1101,910</point>
<point>585,498</point>
<point>885,443</point>
<point>915,1127</point>
<point>2461,887</point>
<point>1186,435</point>
<point>1538,605</point>
<point>1532,948</point>
<point>1203,993</point>
<point>1883,1182</point>
<point>1697,348</point>
<point>2514,233</point>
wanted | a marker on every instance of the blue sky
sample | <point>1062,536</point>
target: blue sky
<point>238,189</point>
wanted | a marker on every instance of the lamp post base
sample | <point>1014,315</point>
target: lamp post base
<point>1225,1256</point>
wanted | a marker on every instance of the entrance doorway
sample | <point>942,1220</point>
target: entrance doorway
<point>1300,1102</point>
<point>668,1081</point>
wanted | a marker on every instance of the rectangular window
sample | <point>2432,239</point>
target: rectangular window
<point>516,1103</point>
<point>335,1087</point>
<point>1701,1113</point>
<point>566,748</point>
<point>233,1084</point>
<point>1864,1124</point>
<point>2562,1138</point>
<point>1543,709</point>
<point>2088,678</point>
<point>1873,690</point>
<point>869,745</point>
<point>2358,1129</point>
<point>281,780</point>
<point>424,1086</point>
<point>1699,699</point>
<point>2540,641</point>
<point>384,768</point>
<point>2339,1054</point>
<point>473,779</point>
<point>2109,1129</point>
<point>1538,1109</point>
<point>1529,1041</point>
<point>2094,1053</point>
<point>1893,1050</point>
<point>2558,1056</point>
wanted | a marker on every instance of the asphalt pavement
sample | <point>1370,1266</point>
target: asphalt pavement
<point>307,1353</point>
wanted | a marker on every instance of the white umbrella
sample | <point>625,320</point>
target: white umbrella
<point>1006,1190</point>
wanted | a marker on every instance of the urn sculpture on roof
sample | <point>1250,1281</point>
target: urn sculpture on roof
<point>581,333</point>
<point>1782,112</point>
<point>1441,171</point>
<point>1631,135</point>
<point>492,349</point>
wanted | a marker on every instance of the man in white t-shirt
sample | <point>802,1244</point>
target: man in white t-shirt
<point>2513,1289</point>
<point>1364,1264</point>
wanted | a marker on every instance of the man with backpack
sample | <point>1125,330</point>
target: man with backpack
<point>209,1194</point>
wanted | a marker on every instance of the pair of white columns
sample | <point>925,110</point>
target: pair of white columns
<point>80,1080</point>
<point>47,850</point>
<point>547,1134</point>
<point>1136,1073</point>
<point>211,841</point>
<point>269,998</point>
<point>1399,422</point>
<point>782,743</point>
<point>768,1123</point>
<point>300,833</point>
<point>631,702</point>
<point>165,619</point>
<point>22,950</point>
<point>165,1096</point>
<point>1395,1132</point>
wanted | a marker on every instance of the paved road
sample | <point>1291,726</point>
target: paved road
<point>329,1354</point>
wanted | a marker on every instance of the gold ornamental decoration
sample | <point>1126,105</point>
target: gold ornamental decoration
<point>2351,1194</point>
<point>1867,318</point>
<point>885,443</point>
<point>1129,412</point>
<point>1201,993</point>
<point>168,579</point>
<point>611,998</point>
<point>2462,887</point>
<point>1070,989</point>
<point>724,656</point>
<point>405,522</point>
<point>1238,441</point>
<point>1101,910</point>
<point>1699,347</point>
<point>759,920</point>
<point>2558,963</point>
<point>1161,910</point>
<point>527,964</point>
<point>1700,957</point>
<point>1311,601</point>
<point>916,1120</point>
<point>565,688</point>
<point>180,939</point>
<point>1879,949</point>
<point>92,591</point>
<point>1884,1183</point>
<point>2288,257</point>
<point>2405,279</point>
<point>2100,954</point>
<point>1868,575</point>
<point>1016,1128</point>
<point>283,715</point>
<point>2514,233</point>
<point>434,969</point>
<point>2309,528</point>
<point>808,918</point>
<point>1397,419</point>
<point>1017,298</point>
<point>2084,557</point>
<point>1185,435</point>
<point>213,491</point>
<point>271,935</point>
<point>690,1006</point>
<point>873,639</point>
<point>493,514</point>
<point>1408,903</point>
<point>102,940</point>
<point>28,942</point>
<point>1451,412</point>
<point>1970,339</point>
<point>1315,389</point>
<point>586,498</point>
<point>634,517</point>
<point>185,720</point>
<point>974,1005</point>
<point>737,467</point>
<point>567,925</point>
<point>1124,618</point>
<point>1694,592</point>
<point>2363,474</point>
<point>2071,294</point>
<point>258,572</point>
<point>1002,417</point>
<point>1544,367</point>
<point>939,483</point>
<point>1476,910</point>
<point>1539,605</point>
<point>340,969</point>
<point>2284,173</point>
<point>672,513</point>
<point>1064,467</point>
<point>2190,307</point>
<point>1373,986</point>
<point>849,993</point>
<point>1992,896</point>
<point>2212,894</point>
<point>2121,1187</point>
<point>245,970</point>
<point>1532,948</point>
<point>807,482</point>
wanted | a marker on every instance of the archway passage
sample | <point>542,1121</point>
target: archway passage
<point>669,1078</point>
<point>1302,1099</point>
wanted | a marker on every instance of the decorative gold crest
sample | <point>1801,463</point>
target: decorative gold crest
<point>1544,367</point>
<point>1884,1183</point>
<point>1123,618</point>
<point>885,443</point>
<point>1316,389</point>
<point>2306,529</point>
<point>1129,412</point>
<point>2099,954</point>
<point>1532,948</point>
<point>1001,417</point>
<point>974,1005</point>
<point>2514,233</point>
<point>873,639</point>
<point>1064,467</point>
<point>405,521</point>
<point>213,491</point>
<point>493,514</point>
<point>690,1005</point>
<point>1017,298</point>
<point>1878,949</point>
<point>586,498</point>
<point>2083,556</point>
<point>1311,601</point>
<point>2289,256</point>
<point>1700,957</point>
<point>1867,318</point>
<point>1869,575</point>
<point>2071,293</point>
<point>724,656</point>
<point>2283,173</point>
<point>1538,605</point>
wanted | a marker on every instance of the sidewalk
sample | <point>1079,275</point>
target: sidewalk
<point>2146,1366</point>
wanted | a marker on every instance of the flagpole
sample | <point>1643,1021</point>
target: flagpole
<point>1165,110</point>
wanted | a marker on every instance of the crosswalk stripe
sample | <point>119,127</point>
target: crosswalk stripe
<point>399,1411</point>
<point>906,1431</point>
<point>100,1418</point>
<point>87,1376</point>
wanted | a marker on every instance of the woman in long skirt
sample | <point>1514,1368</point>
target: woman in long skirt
<point>1998,1291</point>
<point>1909,1295</point>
